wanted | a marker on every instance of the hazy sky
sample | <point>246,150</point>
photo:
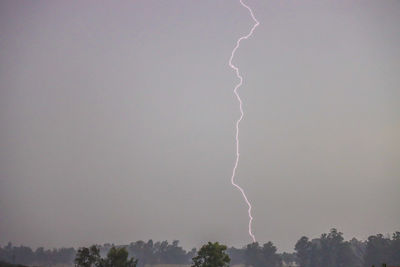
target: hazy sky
<point>117,121</point>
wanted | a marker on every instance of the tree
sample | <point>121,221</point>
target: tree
<point>169,253</point>
<point>358,248</point>
<point>330,250</point>
<point>334,251</point>
<point>377,250</point>
<point>394,252</point>
<point>303,250</point>
<point>252,254</point>
<point>212,255</point>
<point>269,255</point>
<point>88,257</point>
<point>236,255</point>
<point>264,256</point>
<point>288,258</point>
<point>118,257</point>
<point>142,251</point>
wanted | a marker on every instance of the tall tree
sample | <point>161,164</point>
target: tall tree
<point>211,255</point>
<point>377,250</point>
<point>330,250</point>
<point>269,256</point>
<point>264,256</point>
<point>335,252</point>
<point>394,252</point>
<point>303,250</point>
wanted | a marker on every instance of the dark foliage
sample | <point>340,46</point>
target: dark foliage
<point>26,256</point>
<point>88,257</point>
<point>264,256</point>
<point>329,250</point>
<point>116,257</point>
<point>383,250</point>
<point>159,252</point>
<point>212,255</point>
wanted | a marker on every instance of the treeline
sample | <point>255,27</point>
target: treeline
<point>146,252</point>
<point>328,250</point>
<point>44,257</point>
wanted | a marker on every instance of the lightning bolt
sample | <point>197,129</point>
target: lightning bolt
<point>236,69</point>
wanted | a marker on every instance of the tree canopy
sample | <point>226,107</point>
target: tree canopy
<point>258,256</point>
<point>116,257</point>
<point>330,250</point>
<point>212,255</point>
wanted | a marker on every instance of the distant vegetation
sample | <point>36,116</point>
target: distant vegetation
<point>116,257</point>
<point>329,250</point>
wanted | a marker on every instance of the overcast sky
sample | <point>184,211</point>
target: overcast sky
<point>118,119</point>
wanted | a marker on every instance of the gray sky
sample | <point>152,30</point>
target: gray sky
<point>117,121</point>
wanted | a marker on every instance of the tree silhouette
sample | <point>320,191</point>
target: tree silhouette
<point>264,256</point>
<point>116,257</point>
<point>88,257</point>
